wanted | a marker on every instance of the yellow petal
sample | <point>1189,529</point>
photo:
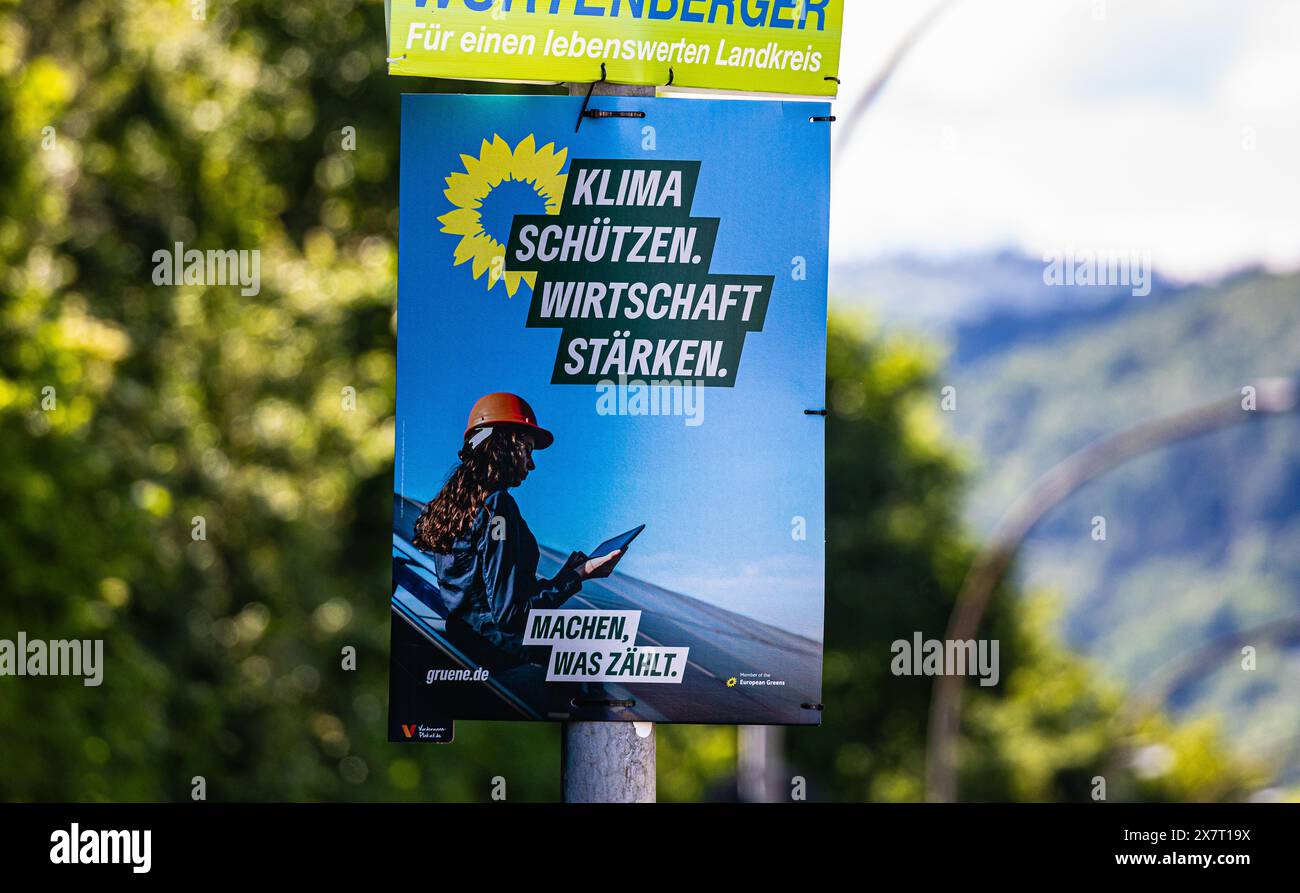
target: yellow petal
<point>496,158</point>
<point>553,161</point>
<point>513,279</point>
<point>484,250</point>
<point>475,248</point>
<point>464,251</point>
<point>553,191</point>
<point>526,166</point>
<point>461,222</point>
<point>465,191</point>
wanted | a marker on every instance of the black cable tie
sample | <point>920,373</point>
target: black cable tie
<point>582,114</point>
<point>817,707</point>
<point>831,77</point>
<point>828,118</point>
<point>814,412</point>
<point>670,77</point>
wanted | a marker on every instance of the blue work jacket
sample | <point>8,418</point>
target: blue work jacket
<point>489,579</point>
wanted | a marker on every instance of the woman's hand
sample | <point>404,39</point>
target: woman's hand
<point>596,568</point>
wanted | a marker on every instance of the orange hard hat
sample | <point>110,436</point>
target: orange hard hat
<point>508,409</point>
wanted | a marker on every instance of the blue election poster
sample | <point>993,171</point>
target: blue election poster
<point>609,479</point>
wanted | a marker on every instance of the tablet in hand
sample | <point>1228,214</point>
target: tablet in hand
<point>622,541</point>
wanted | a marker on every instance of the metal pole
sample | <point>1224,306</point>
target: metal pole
<point>759,764</point>
<point>607,89</point>
<point>608,762</point>
<point>892,64</point>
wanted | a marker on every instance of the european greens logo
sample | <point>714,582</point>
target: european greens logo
<point>624,271</point>
<point>495,186</point>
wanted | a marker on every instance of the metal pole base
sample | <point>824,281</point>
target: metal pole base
<point>608,762</point>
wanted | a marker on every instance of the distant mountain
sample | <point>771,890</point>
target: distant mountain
<point>979,304</point>
<point>1202,539</point>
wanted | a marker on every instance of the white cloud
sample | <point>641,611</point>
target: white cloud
<point>1168,125</point>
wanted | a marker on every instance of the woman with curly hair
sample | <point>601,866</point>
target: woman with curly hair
<point>486,557</point>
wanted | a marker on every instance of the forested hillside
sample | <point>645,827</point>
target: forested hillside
<point>1203,539</point>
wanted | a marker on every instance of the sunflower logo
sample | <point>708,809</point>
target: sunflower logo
<point>500,183</point>
<point>731,683</point>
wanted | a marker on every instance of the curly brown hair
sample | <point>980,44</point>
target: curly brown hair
<point>500,461</point>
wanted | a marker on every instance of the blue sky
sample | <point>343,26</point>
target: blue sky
<point>718,499</point>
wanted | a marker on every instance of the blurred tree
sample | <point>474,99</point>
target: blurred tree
<point>127,127</point>
<point>896,555</point>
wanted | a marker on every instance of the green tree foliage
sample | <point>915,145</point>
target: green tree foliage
<point>128,127</point>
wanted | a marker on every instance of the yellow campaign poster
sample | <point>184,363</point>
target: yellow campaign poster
<point>761,46</point>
